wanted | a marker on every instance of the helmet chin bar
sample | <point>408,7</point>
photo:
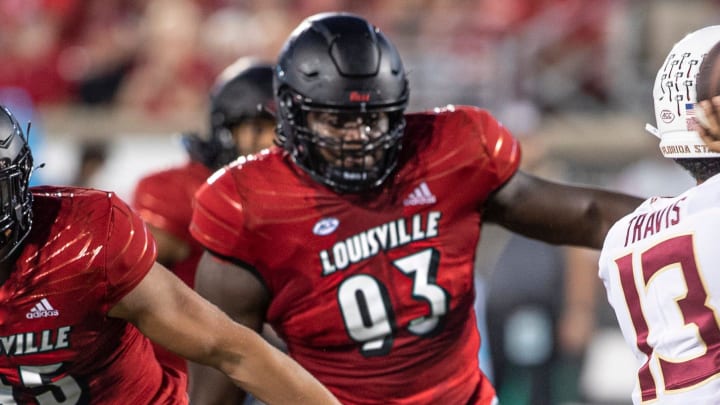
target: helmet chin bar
<point>348,180</point>
<point>350,175</point>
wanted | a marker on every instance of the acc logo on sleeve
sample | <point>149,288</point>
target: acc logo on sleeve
<point>326,226</point>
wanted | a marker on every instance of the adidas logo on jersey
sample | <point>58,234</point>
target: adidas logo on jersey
<point>42,309</point>
<point>420,196</point>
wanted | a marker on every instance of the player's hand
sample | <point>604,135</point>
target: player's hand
<point>708,119</point>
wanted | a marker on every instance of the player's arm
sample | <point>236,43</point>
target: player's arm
<point>557,213</point>
<point>581,286</point>
<point>173,315</point>
<point>238,293</point>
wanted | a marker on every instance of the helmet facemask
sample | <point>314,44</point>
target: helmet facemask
<point>15,205</point>
<point>16,165</point>
<point>347,150</point>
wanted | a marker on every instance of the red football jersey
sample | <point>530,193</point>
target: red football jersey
<point>164,200</point>
<point>373,294</point>
<point>85,252</point>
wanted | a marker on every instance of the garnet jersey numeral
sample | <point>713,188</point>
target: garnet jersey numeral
<point>366,306</point>
<point>698,318</point>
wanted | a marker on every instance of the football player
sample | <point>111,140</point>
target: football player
<point>81,294</point>
<point>355,240</point>
<point>239,123</point>
<point>659,264</point>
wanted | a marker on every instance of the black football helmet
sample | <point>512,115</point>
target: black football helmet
<point>242,91</point>
<point>339,65</point>
<point>16,165</point>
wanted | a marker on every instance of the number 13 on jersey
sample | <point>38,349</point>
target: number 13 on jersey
<point>669,306</point>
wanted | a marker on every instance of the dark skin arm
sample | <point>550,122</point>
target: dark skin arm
<point>557,213</point>
<point>241,296</point>
<point>580,291</point>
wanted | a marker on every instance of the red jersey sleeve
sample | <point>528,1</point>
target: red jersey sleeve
<point>469,140</point>
<point>218,219</point>
<point>501,146</point>
<point>163,204</point>
<point>130,251</point>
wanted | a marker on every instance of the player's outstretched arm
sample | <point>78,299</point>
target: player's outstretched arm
<point>557,213</point>
<point>173,315</point>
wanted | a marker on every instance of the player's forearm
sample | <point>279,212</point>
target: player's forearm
<point>588,214</point>
<point>269,374</point>
<point>557,213</point>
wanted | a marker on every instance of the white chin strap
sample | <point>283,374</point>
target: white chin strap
<point>681,144</point>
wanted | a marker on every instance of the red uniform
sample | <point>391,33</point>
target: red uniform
<point>164,200</point>
<point>85,252</point>
<point>373,294</point>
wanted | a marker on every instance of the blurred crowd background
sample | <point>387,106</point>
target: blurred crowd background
<point>577,72</point>
<point>108,85</point>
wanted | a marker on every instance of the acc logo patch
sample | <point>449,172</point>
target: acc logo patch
<point>667,116</point>
<point>326,226</point>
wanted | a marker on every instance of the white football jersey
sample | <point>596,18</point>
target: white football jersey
<point>661,269</point>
